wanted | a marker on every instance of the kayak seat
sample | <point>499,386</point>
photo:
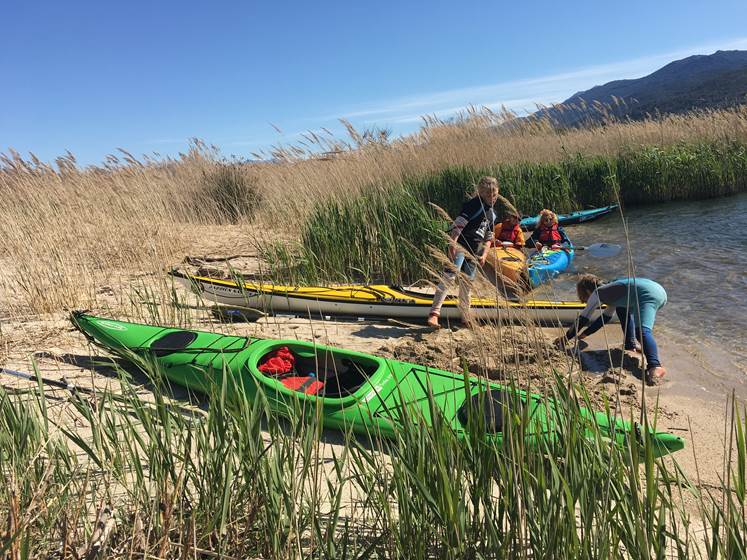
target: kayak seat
<point>341,376</point>
<point>281,364</point>
<point>175,341</point>
<point>489,408</point>
<point>304,384</point>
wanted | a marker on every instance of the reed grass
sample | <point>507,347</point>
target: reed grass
<point>387,234</point>
<point>68,230</point>
<point>229,479</point>
<point>121,475</point>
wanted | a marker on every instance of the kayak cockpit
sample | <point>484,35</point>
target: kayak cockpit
<point>312,370</point>
<point>171,342</point>
<point>490,409</point>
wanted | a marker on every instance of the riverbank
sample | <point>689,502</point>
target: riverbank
<point>690,402</point>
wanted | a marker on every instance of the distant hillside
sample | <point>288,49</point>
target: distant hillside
<point>711,81</point>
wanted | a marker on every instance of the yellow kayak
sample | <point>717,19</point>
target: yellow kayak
<point>508,261</point>
<point>369,301</point>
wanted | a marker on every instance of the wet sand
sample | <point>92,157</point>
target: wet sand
<point>694,398</point>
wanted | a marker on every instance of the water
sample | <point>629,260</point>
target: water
<point>696,250</point>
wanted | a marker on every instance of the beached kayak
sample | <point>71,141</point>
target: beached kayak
<point>351,390</point>
<point>371,301</point>
<point>548,264</point>
<point>507,261</point>
<point>529,223</point>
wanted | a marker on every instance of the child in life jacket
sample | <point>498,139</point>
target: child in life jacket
<point>509,231</point>
<point>548,232</point>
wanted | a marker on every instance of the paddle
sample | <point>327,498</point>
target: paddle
<point>600,249</point>
<point>595,250</point>
<point>64,384</point>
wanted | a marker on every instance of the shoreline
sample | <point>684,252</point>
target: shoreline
<point>692,401</point>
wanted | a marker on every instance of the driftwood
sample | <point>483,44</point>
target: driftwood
<point>196,261</point>
<point>212,272</point>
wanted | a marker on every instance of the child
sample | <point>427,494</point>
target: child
<point>471,233</point>
<point>548,232</point>
<point>509,230</point>
<point>636,301</point>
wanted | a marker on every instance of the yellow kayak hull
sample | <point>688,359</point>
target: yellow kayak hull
<point>378,300</point>
<point>508,262</point>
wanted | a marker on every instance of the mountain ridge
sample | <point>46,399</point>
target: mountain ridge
<point>714,81</point>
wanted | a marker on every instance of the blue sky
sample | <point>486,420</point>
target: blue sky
<point>91,77</point>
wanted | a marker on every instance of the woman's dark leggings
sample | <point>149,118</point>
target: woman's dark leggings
<point>644,336</point>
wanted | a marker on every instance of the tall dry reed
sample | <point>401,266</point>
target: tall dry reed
<point>69,231</point>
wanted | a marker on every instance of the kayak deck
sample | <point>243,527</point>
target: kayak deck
<point>507,261</point>
<point>547,265</point>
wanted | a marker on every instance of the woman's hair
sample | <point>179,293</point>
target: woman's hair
<point>587,284</point>
<point>550,213</point>
<point>511,214</point>
<point>487,183</point>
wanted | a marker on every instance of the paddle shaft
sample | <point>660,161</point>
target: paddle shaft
<point>74,389</point>
<point>45,380</point>
<point>598,249</point>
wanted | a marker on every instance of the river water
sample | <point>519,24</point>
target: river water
<point>697,251</point>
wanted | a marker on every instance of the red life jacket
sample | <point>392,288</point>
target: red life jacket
<point>509,234</point>
<point>307,384</point>
<point>550,236</point>
<point>280,363</point>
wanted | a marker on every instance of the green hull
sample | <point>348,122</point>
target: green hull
<point>362,392</point>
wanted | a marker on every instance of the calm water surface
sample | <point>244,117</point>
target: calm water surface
<point>696,250</point>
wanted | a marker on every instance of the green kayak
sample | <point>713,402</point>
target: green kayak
<point>355,390</point>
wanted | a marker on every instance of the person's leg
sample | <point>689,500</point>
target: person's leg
<point>643,300</point>
<point>644,317</point>
<point>443,287</point>
<point>626,308</point>
<point>469,270</point>
<point>650,350</point>
<point>628,328</point>
<point>651,298</point>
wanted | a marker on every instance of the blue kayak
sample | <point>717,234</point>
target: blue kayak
<point>530,223</point>
<point>548,264</point>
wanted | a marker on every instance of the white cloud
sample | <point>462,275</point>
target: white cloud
<point>539,90</point>
<point>521,96</point>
